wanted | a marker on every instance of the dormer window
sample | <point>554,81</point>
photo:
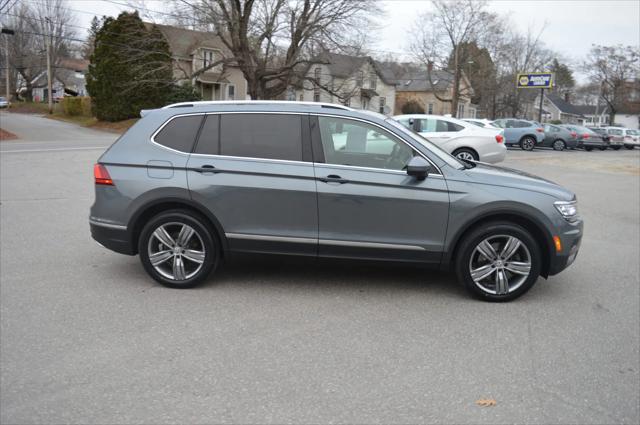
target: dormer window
<point>207,58</point>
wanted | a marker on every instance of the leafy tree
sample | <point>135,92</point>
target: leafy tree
<point>130,69</point>
<point>563,81</point>
<point>412,107</point>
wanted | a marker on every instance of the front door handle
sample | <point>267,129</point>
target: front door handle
<point>206,169</point>
<point>332,178</point>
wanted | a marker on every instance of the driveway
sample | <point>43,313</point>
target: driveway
<point>87,337</point>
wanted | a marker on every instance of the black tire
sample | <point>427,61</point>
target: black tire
<point>588,148</point>
<point>206,239</point>
<point>466,151</point>
<point>527,143</point>
<point>497,229</point>
<point>602,148</point>
<point>630,147</point>
<point>559,145</point>
<point>616,148</point>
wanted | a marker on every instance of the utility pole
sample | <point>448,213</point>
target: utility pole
<point>49,82</point>
<point>7,32</point>
<point>540,110</point>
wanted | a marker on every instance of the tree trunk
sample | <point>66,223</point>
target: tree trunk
<point>456,83</point>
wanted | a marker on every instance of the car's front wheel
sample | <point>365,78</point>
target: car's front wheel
<point>499,261</point>
<point>616,148</point>
<point>527,143</point>
<point>177,249</point>
<point>629,147</point>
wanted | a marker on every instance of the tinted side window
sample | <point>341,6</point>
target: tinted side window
<point>209,139</point>
<point>522,124</point>
<point>348,142</point>
<point>269,136</point>
<point>180,133</point>
<point>446,126</point>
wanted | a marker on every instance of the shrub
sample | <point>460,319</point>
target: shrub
<point>412,107</point>
<point>85,103</point>
<point>72,106</point>
<point>182,93</point>
<point>555,122</point>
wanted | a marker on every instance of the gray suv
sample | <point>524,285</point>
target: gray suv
<point>191,183</point>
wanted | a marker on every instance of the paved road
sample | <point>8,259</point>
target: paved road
<point>86,337</point>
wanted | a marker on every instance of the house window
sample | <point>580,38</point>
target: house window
<point>301,97</point>
<point>383,102</point>
<point>373,81</point>
<point>317,75</point>
<point>360,79</point>
<point>460,110</point>
<point>430,109</point>
<point>316,96</point>
<point>207,58</point>
<point>231,92</point>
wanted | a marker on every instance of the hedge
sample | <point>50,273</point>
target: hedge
<point>77,106</point>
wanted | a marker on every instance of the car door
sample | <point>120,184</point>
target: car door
<point>368,207</point>
<point>254,172</point>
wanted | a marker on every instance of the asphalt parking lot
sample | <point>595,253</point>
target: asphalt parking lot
<point>87,337</point>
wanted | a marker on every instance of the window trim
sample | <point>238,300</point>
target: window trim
<point>313,132</point>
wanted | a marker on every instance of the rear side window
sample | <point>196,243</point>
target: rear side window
<point>270,136</point>
<point>180,133</point>
<point>522,124</point>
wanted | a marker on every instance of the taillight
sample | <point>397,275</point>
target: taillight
<point>499,138</point>
<point>540,130</point>
<point>585,136</point>
<point>574,134</point>
<point>101,175</point>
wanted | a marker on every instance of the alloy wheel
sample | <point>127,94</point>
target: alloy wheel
<point>500,264</point>
<point>176,251</point>
<point>465,156</point>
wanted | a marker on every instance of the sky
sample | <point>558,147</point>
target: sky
<point>570,26</point>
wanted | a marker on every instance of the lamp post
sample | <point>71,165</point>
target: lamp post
<point>7,32</point>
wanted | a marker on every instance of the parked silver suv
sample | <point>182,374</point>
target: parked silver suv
<point>191,183</point>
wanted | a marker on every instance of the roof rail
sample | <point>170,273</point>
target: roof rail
<point>250,102</point>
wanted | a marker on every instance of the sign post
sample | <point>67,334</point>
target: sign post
<point>536,80</point>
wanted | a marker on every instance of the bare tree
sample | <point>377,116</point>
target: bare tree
<point>439,36</point>
<point>272,41</point>
<point>613,69</point>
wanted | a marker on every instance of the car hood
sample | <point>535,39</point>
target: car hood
<point>502,176</point>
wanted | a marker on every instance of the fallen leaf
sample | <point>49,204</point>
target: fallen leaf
<point>486,402</point>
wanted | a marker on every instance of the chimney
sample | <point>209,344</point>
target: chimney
<point>567,97</point>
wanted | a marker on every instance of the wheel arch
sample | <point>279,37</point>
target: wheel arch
<point>524,136</point>
<point>531,224</point>
<point>152,208</point>
<point>465,147</point>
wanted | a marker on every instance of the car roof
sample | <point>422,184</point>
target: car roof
<point>439,117</point>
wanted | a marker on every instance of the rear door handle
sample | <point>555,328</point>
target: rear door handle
<point>332,178</point>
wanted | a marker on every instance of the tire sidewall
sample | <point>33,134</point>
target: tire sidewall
<point>211,246</point>
<point>469,151</point>
<point>497,228</point>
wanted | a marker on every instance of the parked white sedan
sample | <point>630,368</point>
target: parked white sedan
<point>461,139</point>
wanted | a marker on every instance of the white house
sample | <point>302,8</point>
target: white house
<point>354,81</point>
<point>628,117</point>
<point>594,116</point>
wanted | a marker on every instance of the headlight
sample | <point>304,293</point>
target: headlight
<point>569,210</point>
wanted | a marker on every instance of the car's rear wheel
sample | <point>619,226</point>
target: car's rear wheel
<point>466,154</point>
<point>629,147</point>
<point>616,148</point>
<point>559,145</point>
<point>588,148</point>
<point>527,143</point>
<point>177,249</point>
<point>499,261</point>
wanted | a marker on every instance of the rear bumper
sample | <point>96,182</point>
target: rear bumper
<point>113,237</point>
<point>571,238</point>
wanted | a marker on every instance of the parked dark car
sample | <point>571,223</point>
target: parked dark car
<point>587,139</point>
<point>191,183</point>
<point>559,138</point>
<point>605,136</point>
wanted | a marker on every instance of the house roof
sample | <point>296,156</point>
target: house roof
<point>411,77</point>
<point>591,109</point>
<point>562,105</point>
<point>344,66</point>
<point>183,42</point>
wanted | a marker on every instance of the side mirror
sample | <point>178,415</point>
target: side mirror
<point>418,167</point>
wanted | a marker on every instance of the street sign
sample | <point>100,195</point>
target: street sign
<point>536,80</point>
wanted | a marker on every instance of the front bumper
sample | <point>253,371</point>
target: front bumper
<point>115,238</point>
<point>571,238</point>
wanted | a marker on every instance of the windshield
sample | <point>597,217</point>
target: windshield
<point>633,132</point>
<point>437,150</point>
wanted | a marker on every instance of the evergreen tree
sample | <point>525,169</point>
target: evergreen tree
<point>87,49</point>
<point>563,77</point>
<point>130,69</point>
